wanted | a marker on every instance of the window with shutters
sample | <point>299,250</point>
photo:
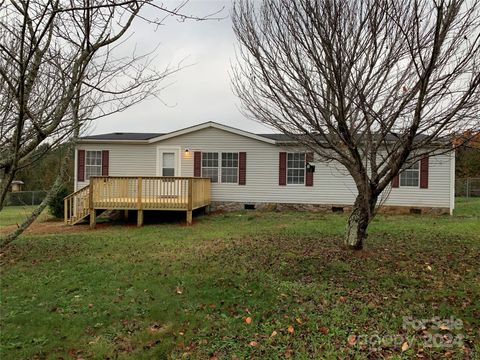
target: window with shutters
<point>409,176</point>
<point>229,167</point>
<point>220,167</point>
<point>210,165</point>
<point>93,164</point>
<point>295,168</point>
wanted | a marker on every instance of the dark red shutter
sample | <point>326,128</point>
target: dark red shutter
<point>105,162</point>
<point>396,182</point>
<point>309,174</point>
<point>282,169</point>
<point>81,165</point>
<point>424,173</point>
<point>197,163</point>
<point>242,168</point>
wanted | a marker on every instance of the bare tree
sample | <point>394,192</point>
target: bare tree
<point>59,69</point>
<point>371,85</point>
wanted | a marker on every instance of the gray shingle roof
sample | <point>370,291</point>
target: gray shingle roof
<point>277,137</point>
<point>122,136</point>
<point>148,136</point>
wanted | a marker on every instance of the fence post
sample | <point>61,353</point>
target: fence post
<point>468,188</point>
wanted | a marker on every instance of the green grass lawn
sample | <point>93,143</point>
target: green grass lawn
<point>11,215</point>
<point>170,291</point>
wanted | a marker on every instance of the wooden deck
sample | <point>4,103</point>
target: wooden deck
<point>137,193</point>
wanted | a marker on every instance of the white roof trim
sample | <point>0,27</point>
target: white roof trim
<point>213,125</point>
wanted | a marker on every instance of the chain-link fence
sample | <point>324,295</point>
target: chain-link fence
<point>23,198</point>
<point>468,187</point>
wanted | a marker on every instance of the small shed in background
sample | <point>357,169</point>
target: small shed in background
<point>17,185</point>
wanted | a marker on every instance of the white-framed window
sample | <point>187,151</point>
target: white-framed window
<point>210,165</point>
<point>93,164</point>
<point>220,167</point>
<point>229,167</point>
<point>410,176</point>
<point>168,164</point>
<point>295,168</point>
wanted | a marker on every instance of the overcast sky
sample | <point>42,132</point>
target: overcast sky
<point>201,92</point>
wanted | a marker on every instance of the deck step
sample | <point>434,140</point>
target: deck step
<point>77,206</point>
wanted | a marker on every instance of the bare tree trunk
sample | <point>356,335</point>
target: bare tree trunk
<point>57,185</point>
<point>5,184</point>
<point>362,213</point>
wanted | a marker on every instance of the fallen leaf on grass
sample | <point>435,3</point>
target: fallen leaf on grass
<point>95,340</point>
<point>248,320</point>
<point>290,329</point>
<point>298,320</point>
<point>179,290</point>
<point>405,346</point>
<point>352,339</point>
<point>323,330</point>
<point>274,333</point>
<point>288,353</point>
<point>253,343</point>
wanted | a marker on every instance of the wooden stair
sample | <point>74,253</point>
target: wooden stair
<point>77,206</point>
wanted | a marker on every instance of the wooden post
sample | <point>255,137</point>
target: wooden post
<point>189,203</point>
<point>139,203</point>
<point>139,193</point>
<point>93,215</point>
<point>65,211</point>
<point>125,215</point>
<point>93,218</point>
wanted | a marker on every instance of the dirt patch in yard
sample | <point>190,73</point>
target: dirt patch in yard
<point>51,227</point>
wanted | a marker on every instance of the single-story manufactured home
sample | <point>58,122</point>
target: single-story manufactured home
<point>245,171</point>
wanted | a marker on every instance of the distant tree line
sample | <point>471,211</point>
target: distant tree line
<point>467,164</point>
<point>41,172</point>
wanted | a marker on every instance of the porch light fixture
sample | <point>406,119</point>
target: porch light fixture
<point>187,150</point>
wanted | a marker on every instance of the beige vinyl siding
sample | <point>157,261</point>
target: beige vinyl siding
<point>332,184</point>
<point>439,187</point>
<point>262,171</point>
<point>125,159</point>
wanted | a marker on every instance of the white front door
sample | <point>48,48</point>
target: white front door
<point>168,162</point>
<point>169,166</point>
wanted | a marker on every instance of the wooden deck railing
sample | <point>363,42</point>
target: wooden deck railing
<point>138,193</point>
<point>76,206</point>
<point>154,193</point>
